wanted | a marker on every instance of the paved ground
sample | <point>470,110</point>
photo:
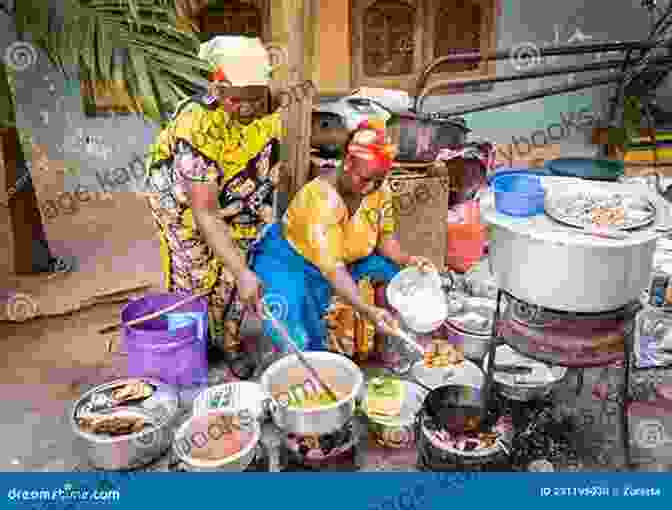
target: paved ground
<point>39,381</point>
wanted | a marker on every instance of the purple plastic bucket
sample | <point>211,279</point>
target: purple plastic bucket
<point>176,356</point>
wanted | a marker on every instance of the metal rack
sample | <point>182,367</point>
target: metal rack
<point>640,71</point>
<point>498,340</point>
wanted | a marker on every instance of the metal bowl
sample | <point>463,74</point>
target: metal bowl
<point>235,463</point>
<point>321,420</point>
<point>133,450</point>
<point>408,293</point>
<point>509,387</point>
<point>470,318</point>
<point>397,431</point>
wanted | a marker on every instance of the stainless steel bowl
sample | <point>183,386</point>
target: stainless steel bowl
<point>323,420</point>
<point>134,450</point>
<point>524,391</point>
<point>235,463</point>
<point>471,319</point>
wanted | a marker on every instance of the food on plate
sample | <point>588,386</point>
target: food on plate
<point>604,209</point>
<point>133,390</point>
<point>112,425</point>
<point>443,354</point>
<point>217,437</point>
<point>605,217</point>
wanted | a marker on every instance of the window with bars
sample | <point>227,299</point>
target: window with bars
<point>393,40</point>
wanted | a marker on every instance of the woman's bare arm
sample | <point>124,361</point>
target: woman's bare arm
<point>204,205</point>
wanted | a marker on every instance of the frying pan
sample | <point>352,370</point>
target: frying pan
<point>456,407</point>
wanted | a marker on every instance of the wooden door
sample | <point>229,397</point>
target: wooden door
<point>19,211</point>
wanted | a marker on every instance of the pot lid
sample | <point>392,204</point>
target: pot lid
<point>471,315</point>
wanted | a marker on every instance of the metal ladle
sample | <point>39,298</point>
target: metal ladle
<point>292,345</point>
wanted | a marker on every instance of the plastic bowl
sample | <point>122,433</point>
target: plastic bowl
<point>519,195</point>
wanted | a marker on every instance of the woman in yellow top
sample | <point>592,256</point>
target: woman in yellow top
<point>338,229</point>
<point>212,179</point>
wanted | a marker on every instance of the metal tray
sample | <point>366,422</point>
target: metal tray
<point>558,205</point>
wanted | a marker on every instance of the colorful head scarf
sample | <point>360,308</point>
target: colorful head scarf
<point>242,61</point>
<point>371,143</point>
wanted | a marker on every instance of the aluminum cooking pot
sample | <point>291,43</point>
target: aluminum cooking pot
<point>547,264</point>
<point>338,371</point>
<point>133,450</point>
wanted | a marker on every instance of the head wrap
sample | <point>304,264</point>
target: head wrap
<point>243,61</point>
<point>372,144</point>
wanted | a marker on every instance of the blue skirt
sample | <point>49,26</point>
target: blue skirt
<point>297,292</point>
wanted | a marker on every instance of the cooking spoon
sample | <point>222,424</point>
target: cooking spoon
<point>290,343</point>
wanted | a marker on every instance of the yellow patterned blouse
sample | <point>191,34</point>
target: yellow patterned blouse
<point>318,225</point>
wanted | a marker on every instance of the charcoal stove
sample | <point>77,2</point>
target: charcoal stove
<point>567,339</point>
<point>573,340</point>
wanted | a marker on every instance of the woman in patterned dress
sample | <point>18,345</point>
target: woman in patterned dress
<point>339,229</point>
<point>212,182</point>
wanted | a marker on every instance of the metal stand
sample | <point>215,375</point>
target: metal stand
<point>498,340</point>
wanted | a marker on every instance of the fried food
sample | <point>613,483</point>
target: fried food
<point>112,425</point>
<point>134,390</point>
<point>443,354</point>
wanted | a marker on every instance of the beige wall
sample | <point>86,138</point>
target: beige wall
<point>331,34</point>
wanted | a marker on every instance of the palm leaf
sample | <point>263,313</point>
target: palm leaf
<point>162,67</point>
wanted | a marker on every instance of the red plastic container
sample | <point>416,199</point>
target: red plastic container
<point>466,239</point>
<point>465,245</point>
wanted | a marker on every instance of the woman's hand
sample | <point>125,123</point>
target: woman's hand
<point>422,263</point>
<point>250,290</point>
<point>383,320</point>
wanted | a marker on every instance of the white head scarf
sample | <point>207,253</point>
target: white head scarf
<point>244,60</point>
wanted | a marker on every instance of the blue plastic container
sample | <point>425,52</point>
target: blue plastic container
<point>519,194</point>
<point>540,172</point>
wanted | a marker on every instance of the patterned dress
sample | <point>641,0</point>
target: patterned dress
<point>204,144</point>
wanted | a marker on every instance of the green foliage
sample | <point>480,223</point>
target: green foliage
<point>162,65</point>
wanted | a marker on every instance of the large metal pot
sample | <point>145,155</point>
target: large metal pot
<point>134,450</point>
<point>547,264</point>
<point>318,421</point>
<point>574,275</point>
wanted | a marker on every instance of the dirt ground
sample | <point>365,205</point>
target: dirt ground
<point>45,363</point>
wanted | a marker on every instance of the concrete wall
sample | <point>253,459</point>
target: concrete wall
<point>49,106</point>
